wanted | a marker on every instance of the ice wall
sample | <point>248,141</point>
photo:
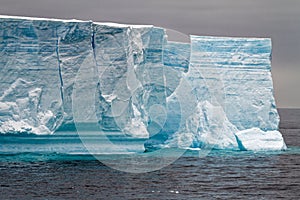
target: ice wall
<point>126,57</point>
<point>238,72</point>
<point>41,57</point>
<point>30,83</point>
<point>235,107</point>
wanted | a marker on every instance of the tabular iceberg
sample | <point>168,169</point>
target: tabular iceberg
<point>214,92</point>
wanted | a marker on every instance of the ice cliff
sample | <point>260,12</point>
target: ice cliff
<point>214,92</point>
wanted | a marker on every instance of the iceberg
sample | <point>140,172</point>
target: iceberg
<point>214,92</point>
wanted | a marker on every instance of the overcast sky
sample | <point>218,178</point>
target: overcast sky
<point>278,19</point>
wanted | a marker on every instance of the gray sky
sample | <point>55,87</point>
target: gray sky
<point>278,19</point>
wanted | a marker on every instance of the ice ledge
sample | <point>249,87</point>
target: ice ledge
<point>255,139</point>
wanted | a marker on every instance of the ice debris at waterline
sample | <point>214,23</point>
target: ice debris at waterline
<point>214,92</point>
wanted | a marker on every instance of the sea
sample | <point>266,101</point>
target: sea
<point>58,167</point>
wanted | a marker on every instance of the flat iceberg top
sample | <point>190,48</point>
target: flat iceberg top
<point>111,24</point>
<point>39,18</point>
<point>222,38</point>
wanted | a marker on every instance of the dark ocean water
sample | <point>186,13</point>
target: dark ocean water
<point>43,174</point>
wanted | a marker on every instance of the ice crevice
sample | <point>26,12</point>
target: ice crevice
<point>59,67</point>
<point>93,43</point>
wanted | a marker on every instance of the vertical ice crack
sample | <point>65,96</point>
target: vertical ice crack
<point>59,67</point>
<point>93,44</point>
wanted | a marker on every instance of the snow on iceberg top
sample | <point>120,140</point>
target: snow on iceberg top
<point>221,38</point>
<point>113,24</point>
<point>39,18</point>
